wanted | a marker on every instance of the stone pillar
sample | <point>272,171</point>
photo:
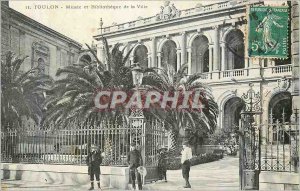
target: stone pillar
<point>131,60</point>
<point>126,51</point>
<point>216,48</point>
<point>223,59</point>
<point>153,53</point>
<point>183,48</point>
<point>246,56</point>
<point>149,60</point>
<point>189,50</point>
<point>178,59</point>
<point>22,43</point>
<point>159,59</point>
<point>100,52</point>
<point>295,53</point>
<point>210,58</point>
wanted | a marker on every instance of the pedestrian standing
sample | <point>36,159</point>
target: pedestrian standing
<point>134,159</point>
<point>162,164</point>
<point>94,159</point>
<point>186,156</point>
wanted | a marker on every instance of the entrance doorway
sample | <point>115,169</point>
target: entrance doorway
<point>232,112</point>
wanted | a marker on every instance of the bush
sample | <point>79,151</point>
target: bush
<point>174,163</point>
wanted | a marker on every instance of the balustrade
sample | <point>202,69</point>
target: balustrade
<point>184,13</point>
<point>282,69</point>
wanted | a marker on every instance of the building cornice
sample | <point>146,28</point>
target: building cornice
<point>13,14</point>
<point>165,23</point>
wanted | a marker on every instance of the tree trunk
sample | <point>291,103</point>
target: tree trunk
<point>173,138</point>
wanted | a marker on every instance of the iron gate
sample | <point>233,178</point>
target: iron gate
<point>150,135</point>
<point>273,146</point>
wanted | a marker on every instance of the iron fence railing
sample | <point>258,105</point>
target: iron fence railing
<point>280,145</point>
<point>70,144</point>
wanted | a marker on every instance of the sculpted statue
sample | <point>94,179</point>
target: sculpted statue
<point>175,11</point>
<point>168,12</point>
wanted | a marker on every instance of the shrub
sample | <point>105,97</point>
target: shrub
<point>174,163</point>
<point>227,137</point>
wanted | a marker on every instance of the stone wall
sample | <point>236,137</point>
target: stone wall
<point>295,52</point>
<point>113,177</point>
<point>278,181</point>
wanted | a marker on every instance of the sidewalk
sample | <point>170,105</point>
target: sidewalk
<point>218,175</point>
<point>19,185</point>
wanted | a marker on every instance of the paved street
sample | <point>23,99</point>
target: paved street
<point>218,175</point>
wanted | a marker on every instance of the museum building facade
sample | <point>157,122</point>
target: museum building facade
<point>211,40</point>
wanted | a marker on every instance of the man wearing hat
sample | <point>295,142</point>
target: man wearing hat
<point>134,159</point>
<point>93,160</point>
<point>162,163</point>
<point>186,156</point>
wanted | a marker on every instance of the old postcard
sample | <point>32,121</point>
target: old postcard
<point>150,95</point>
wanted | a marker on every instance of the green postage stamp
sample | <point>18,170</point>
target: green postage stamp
<point>268,32</point>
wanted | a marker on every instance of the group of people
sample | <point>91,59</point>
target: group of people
<point>135,161</point>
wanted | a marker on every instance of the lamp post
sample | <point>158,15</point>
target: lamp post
<point>136,118</point>
<point>250,140</point>
<point>137,75</point>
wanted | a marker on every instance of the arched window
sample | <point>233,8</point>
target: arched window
<point>141,56</point>
<point>200,55</point>
<point>86,58</point>
<point>169,54</point>
<point>235,50</point>
<point>281,102</point>
<point>280,109</point>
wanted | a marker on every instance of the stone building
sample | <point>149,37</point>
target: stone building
<point>45,47</point>
<point>211,40</point>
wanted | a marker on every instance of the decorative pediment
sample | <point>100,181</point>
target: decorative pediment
<point>40,47</point>
<point>283,84</point>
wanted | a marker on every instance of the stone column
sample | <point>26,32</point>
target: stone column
<point>159,59</point>
<point>131,60</point>
<point>100,52</point>
<point>210,57</point>
<point>22,42</point>
<point>295,53</point>
<point>183,48</point>
<point>149,60</point>
<point>153,53</point>
<point>216,49</point>
<point>246,56</point>
<point>223,59</point>
<point>127,45</point>
<point>189,50</point>
<point>178,59</point>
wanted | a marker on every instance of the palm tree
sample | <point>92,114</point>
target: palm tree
<point>22,93</point>
<point>168,80</point>
<point>73,94</point>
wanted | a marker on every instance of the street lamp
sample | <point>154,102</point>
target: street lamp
<point>137,75</point>
<point>136,117</point>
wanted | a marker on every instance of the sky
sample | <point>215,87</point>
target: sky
<point>81,24</point>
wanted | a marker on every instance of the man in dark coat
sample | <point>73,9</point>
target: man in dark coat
<point>162,163</point>
<point>134,159</point>
<point>94,159</point>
